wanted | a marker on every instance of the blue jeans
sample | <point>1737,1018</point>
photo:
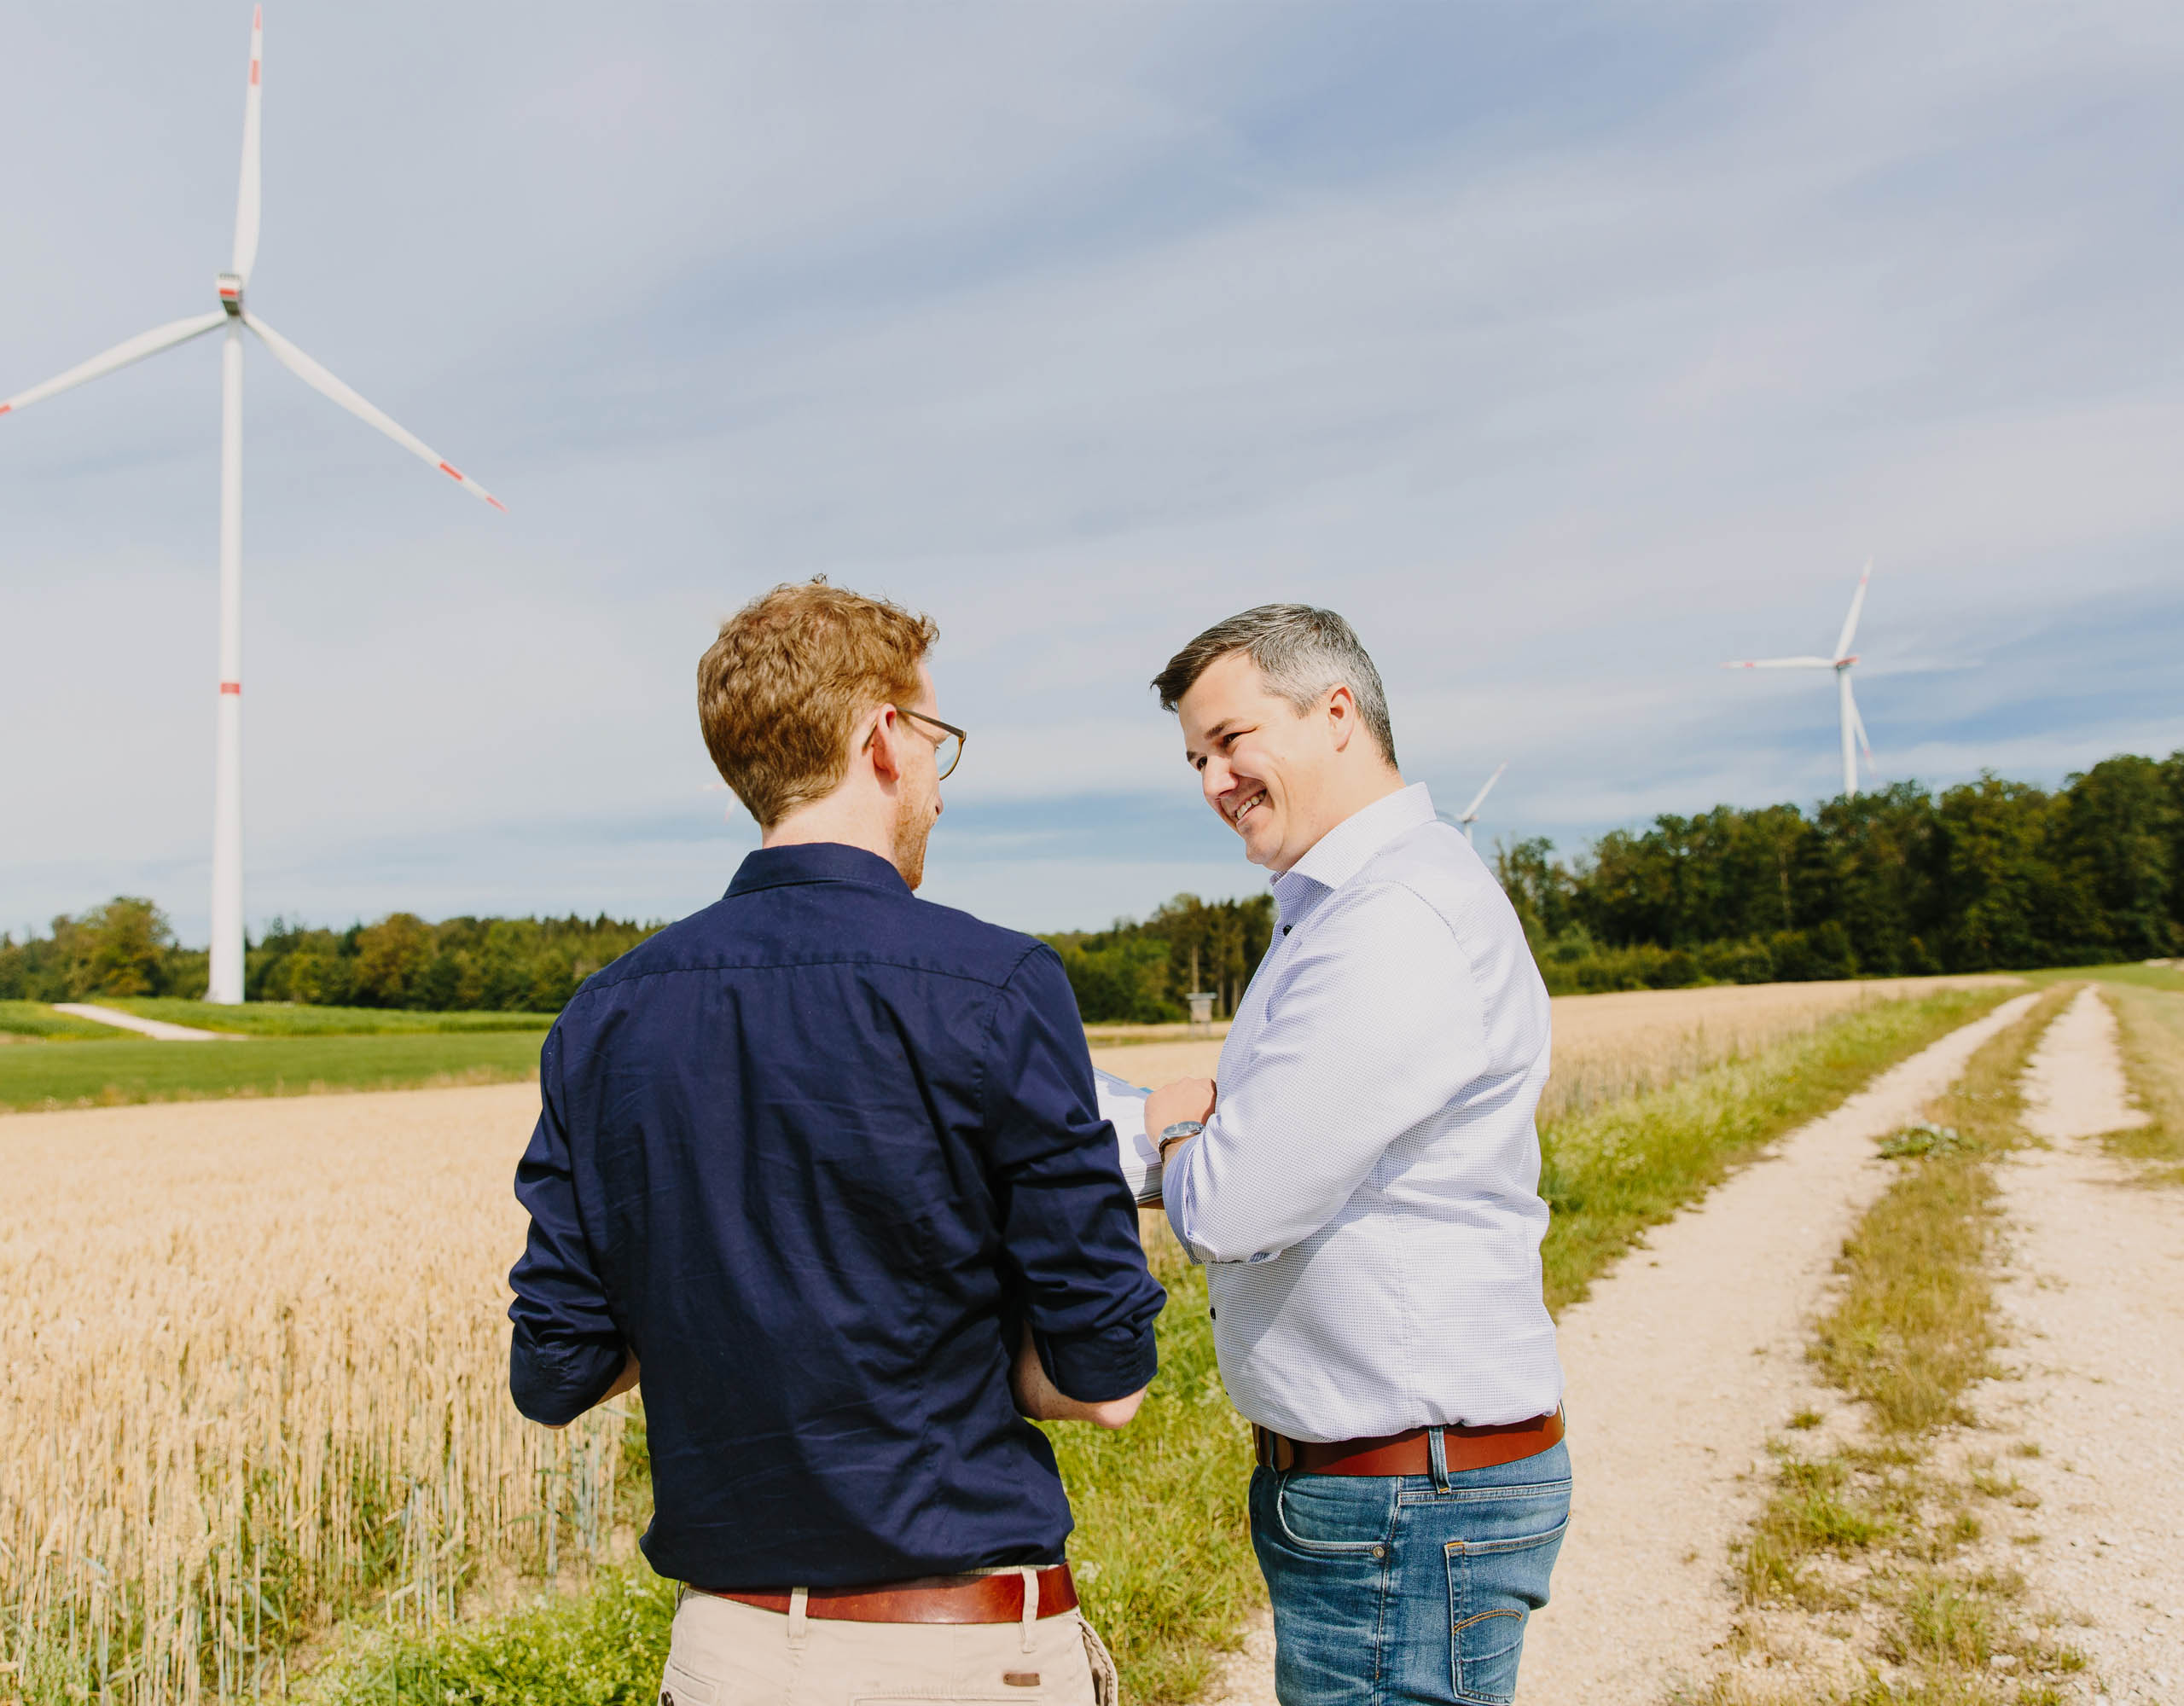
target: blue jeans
<point>1397,1588</point>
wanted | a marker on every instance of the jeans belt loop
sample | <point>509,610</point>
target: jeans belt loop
<point>1030,1607</point>
<point>799,1626</point>
<point>1437,1457</point>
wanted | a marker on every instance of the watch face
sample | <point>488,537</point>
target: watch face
<point>1182,1129</point>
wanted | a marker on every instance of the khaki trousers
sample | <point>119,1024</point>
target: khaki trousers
<point>727,1654</point>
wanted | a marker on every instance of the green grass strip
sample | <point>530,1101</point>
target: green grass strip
<point>2151,1028</point>
<point>1168,1573</point>
<point>36,1019</point>
<point>281,1018</point>
<point>1610,1173</point>
<point>36,1078</point>
<point>1914,1324</point>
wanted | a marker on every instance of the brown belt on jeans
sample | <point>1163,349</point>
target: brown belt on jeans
<point>1410,1454</point>
<point>996,1598</point>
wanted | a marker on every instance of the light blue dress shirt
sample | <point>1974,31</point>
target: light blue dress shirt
<point>1366,1197</point>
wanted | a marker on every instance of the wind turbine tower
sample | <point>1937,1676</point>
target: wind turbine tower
<point>1853,725</point>
<point>231,318</point>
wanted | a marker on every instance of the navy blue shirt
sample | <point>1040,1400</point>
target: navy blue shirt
<point>814,1154</point>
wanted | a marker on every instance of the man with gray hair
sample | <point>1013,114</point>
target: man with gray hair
<point>1363,1189</point>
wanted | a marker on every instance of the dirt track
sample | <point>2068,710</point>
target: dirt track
<point>2095,1301</point>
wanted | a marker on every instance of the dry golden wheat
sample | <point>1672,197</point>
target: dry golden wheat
<point>255,1358</point>
<point>1608,1046</point>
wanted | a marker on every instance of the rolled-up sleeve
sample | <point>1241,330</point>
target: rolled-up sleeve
<point>566,1350</point>
<point>1379,1024</point>
<point>1068,1222</point>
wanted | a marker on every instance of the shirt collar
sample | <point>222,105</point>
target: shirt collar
<point>814,862</point>
<point>1341,853</point>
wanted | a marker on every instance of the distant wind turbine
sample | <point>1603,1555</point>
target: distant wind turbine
<point>226,982</point>
<point>1853,726</point>
<point>1471,812</point>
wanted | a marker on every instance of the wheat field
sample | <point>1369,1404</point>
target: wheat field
<point>1609,1046</point>
<point>255,1359</point>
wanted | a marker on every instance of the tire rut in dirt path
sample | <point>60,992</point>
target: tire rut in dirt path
<point>1681,1365</point>
<point>2095,1299</point>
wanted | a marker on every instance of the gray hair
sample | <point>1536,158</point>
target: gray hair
<point>1301,652</point>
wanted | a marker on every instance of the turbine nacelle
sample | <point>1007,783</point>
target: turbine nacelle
<point>1853,726</point>
<point>230,288</point>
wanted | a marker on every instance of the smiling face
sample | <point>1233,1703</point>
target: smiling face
<point>1271,774</point>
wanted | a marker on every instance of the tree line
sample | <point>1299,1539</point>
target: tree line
<point>1990,875</point>
<point>1138,973</point>
<point>507,965</point>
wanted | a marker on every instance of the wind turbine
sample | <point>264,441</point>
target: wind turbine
<point>225,982</point>
<point>1471,812</point>
<point>1853,726</point>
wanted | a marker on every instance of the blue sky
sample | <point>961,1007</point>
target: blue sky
<point>1568,349</point>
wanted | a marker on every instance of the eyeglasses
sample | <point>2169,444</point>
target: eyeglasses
<point>948,750</point>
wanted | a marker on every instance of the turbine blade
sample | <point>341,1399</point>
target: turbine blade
<point>120,356</point>
<point>317,377</point>
<point>246,198</point>
<point>1782,663</point>
<point>1857,604</point>
<point>1477,799</point>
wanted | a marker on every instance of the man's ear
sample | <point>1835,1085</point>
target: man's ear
<point>887,750</point>
<point>1341,716</point>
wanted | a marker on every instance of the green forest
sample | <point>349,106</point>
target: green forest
<point>1990,875</point>
<point>507,964</point>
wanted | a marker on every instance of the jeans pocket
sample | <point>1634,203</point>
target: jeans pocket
<point>1336,1514</point>
<point>1495,1582</point>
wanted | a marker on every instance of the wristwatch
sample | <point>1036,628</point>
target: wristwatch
<point>1177,1133</point>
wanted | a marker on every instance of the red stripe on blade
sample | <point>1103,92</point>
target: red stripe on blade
<point>453,473</point>
<point>231,687</point>
<point>253,73</point>
<point>5,407</point>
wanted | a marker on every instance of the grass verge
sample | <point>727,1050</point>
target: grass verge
<point>1162,1548</point>
<point>2150,1024</point>
<point>281,1018</point>
<point>37,1079</point>
<point>1610,1173</point>
<point>34,1021</point>
<point>1875,1529</point>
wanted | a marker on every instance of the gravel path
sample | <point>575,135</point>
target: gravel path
<point>2074,1084</point>
<point>1682,1363</point>
<point>2095,1300</point>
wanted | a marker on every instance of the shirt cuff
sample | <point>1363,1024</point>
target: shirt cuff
<point>1094,1367</point>
<point>556,1383</point>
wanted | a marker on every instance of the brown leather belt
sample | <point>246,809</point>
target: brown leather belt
<point>997,1598</point>
<point>1408,1454</point>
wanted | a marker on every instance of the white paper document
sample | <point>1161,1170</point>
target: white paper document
<point>1122,1103</point>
